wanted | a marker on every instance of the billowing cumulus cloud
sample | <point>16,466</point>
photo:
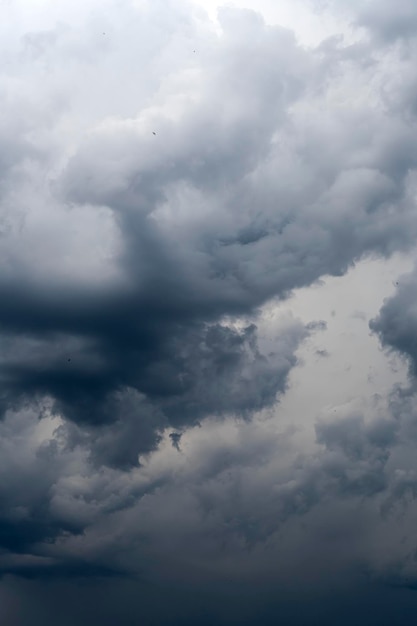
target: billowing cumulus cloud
<point>164,182</point>
<point>396,322</point>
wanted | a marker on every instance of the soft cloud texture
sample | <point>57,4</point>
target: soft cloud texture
<point>170,190</point>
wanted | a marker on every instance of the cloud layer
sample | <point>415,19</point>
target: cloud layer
<point>162,179</point>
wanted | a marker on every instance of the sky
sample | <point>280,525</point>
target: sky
<point>208,312</point>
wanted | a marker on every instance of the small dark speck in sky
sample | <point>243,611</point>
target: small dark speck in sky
<point>153,133</point>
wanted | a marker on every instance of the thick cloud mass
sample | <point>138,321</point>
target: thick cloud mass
<point>162,179</point>
<point>396,324</point>
<point>222,190</point>
<point>389,22</point>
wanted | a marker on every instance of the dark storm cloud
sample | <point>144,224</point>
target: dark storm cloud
<point>248,513</point>
<point>220,374</point>
<point>243,511</point>
<point>396,324</point>
<point>239,198</point>
<point>149,211</point>
<point>28,476</point>
<point>158,333</point>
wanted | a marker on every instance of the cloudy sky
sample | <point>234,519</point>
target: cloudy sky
<point>208,312</point>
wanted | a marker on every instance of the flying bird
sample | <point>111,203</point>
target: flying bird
<point>153,133</point>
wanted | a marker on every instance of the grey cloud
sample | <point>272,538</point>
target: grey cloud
<point>216,371</point>
<point>85,603</point>
<point>396,323</point>
<point>28,476</point>
<point>159,328</point>
<point>203,231</point>
<point>240,510</point>
<point>358,453</point>
<point>208,369</point>
<point>130,284</point>
<point>176,440</point>
<point>388,21</point>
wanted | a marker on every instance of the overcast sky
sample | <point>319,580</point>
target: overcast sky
<point>208,312</point>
